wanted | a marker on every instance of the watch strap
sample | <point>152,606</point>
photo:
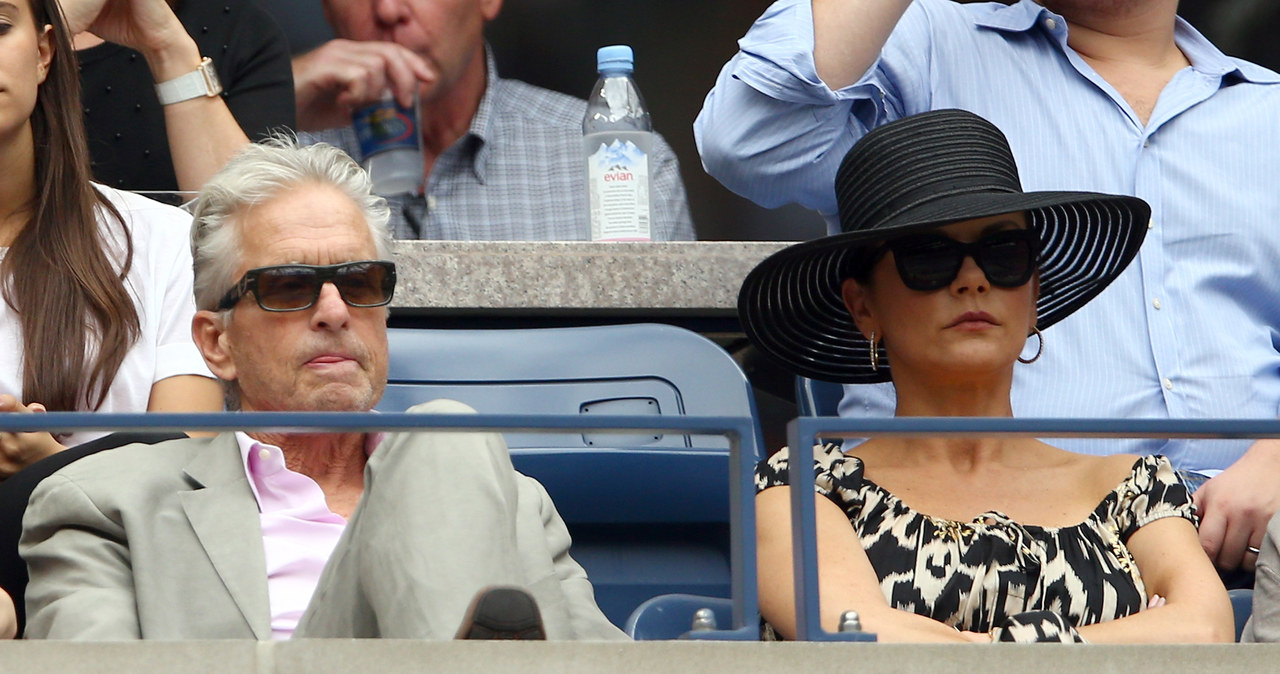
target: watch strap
<point>203,81</point>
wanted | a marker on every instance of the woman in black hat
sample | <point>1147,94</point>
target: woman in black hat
<point>943,271</point>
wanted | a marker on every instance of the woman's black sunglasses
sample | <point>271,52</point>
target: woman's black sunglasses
<point>294,287</point>
<point>932,261</point>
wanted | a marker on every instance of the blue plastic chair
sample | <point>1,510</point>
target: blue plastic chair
<point>816,398</point>
<point>1242,606</point>
<point>649,514</point>
<point>669,616</point>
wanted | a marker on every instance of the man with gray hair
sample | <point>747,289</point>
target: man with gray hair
<point>267,535</point>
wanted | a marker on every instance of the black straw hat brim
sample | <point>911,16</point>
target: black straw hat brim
<point>791,306</point>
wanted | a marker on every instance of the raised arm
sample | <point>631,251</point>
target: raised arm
<point>847,579</point>
<point>802,89</point>
<point>202,132</point>
<point>849,34</point>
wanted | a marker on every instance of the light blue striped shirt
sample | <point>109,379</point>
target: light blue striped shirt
<point>1190,329</point>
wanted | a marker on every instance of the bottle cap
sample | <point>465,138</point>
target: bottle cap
<point>615,58</point>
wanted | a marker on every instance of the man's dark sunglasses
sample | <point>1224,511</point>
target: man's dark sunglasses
<point>294,287</point>
<point>932,261</point>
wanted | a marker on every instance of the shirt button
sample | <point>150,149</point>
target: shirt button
<point>1156,303</point>
<point>265,453</point>
<point>1151,224</point>
<point>1050,24</point>
<point>1168,383</point>
<point>431,203</point>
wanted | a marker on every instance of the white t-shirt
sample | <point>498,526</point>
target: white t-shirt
<point>160,283</point>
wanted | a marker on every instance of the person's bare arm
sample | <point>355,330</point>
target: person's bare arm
<point>848,36</point>
<point>8,617</point>
<point>846,577</point>
<point>186,393</point>
<point>1196,607</point>
<point>202,133</point>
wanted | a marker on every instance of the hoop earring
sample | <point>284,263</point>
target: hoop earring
<point>875,353</point>
<point>1039,349</point>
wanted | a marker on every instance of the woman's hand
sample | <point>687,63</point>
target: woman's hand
<point>144,25</point>
<point>19,450</point>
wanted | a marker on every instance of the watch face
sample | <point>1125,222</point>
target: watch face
<point>211,77</point>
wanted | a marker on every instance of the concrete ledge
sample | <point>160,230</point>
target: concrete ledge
<point>395,656</point>
<point>681,277</point>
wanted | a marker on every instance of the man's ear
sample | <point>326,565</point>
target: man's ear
<point>856,301</point>
<point>210,335</point>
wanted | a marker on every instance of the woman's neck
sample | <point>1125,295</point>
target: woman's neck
<point>18,186</point>
<point>965,396</point>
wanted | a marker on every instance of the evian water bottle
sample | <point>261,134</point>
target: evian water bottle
<point>617,138</point>
<point>391,144</point>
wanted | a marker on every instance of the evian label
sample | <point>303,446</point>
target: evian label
<point>618,188</point>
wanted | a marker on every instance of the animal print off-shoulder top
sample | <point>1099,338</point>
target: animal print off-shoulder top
<point>1022,582</point>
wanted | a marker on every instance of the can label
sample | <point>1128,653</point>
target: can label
<point>383,126</point>
<point>618,189</point>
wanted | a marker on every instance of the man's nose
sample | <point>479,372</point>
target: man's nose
<point>330,310</point>
<point>391,12</point>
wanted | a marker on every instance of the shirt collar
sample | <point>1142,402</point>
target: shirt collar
<point>1205,58</point>
<point>483,131</point>
<point>270,459</point>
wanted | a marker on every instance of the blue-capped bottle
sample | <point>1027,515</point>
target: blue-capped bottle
<point>617,141</point>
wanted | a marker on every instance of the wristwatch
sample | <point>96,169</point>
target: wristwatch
<point>203,81</point>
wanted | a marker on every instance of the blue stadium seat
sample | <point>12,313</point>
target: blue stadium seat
<point>649,514</point>
<point>1242,606</point>
<point>816,398</point>
<point>669,616</point>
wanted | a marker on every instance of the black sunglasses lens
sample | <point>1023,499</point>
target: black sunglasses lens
<point>927,263</point>
<point>1006,258</point>
<point>287,288</point>
<point>365,284</point>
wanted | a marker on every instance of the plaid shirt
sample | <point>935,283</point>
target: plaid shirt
<point>519,174</point>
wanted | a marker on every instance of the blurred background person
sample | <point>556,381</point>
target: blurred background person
<point>503,160</point>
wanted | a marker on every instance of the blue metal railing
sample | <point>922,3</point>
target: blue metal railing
<point>803,432</point>
<point>734,428</point>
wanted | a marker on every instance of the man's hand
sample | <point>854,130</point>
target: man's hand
<point>341,75</point>
<point>1236,505</point>
<point>19,450</point>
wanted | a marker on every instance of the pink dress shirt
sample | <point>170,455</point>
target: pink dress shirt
<point>299,531</point>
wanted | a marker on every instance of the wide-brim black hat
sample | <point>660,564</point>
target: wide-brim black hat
<point>920,173</point>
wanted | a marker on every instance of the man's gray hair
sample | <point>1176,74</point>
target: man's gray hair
<point>258,173</point>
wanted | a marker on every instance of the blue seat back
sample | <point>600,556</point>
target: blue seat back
<point>649,514</point>
<point>1242,607</point>
<point>817,398</point>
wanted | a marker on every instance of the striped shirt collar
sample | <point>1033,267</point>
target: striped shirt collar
<point>1205,58</point>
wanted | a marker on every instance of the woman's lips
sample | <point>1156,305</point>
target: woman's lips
<point>973,319</point>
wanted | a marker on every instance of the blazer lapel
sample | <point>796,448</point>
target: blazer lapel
<point>224,515</point>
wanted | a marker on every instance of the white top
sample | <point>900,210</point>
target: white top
<point>160,282</point>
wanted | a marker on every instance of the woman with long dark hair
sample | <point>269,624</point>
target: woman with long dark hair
<point>96,283</point>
